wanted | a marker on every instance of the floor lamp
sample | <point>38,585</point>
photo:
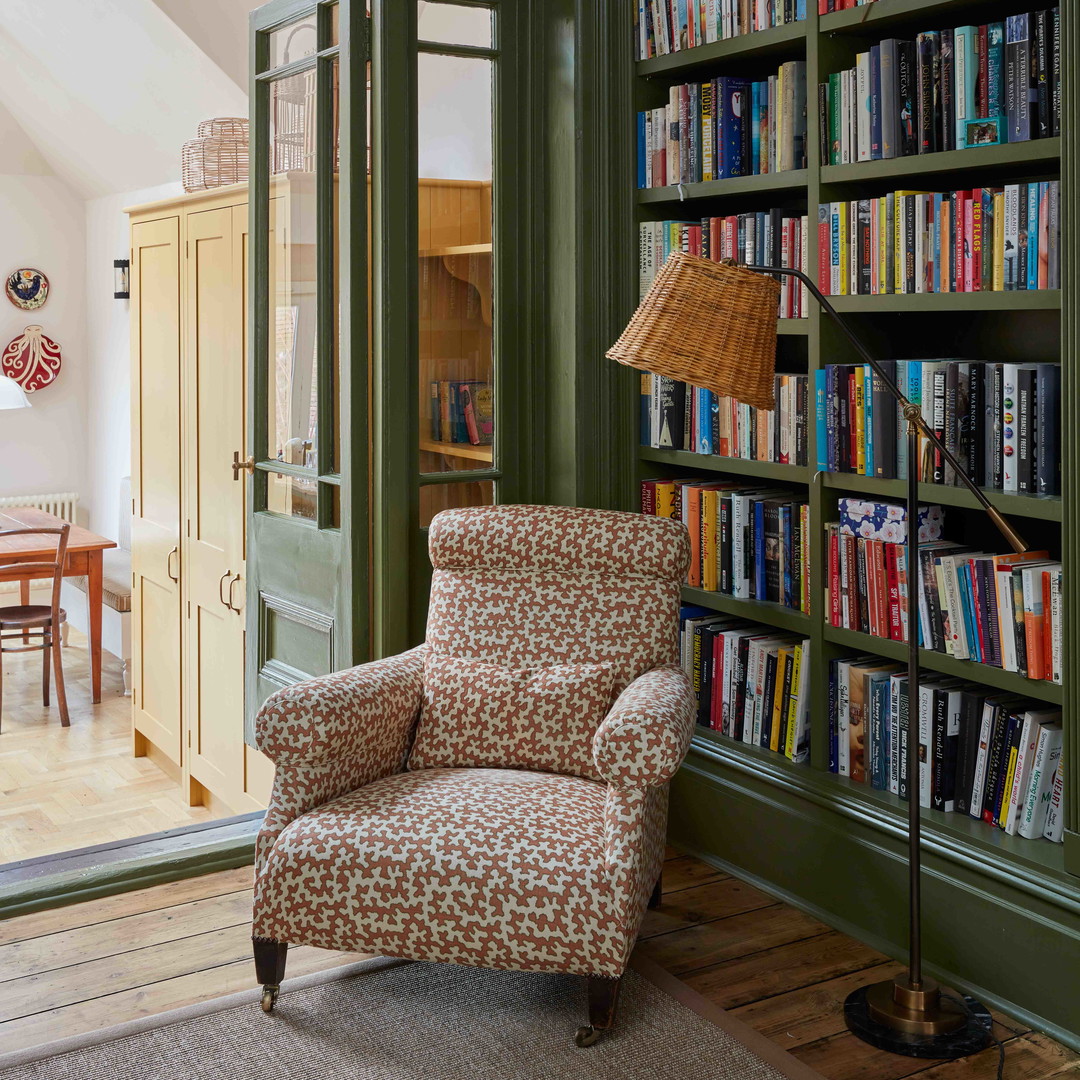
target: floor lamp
<point>714,325</point>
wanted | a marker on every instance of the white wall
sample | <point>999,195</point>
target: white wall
<point>108,347</point>
<point>42,224</point>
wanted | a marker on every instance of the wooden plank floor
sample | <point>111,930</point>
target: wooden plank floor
<point>78,968</point>
<point>65,788</point>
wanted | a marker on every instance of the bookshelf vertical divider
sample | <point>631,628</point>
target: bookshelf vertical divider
<point>830,43</point>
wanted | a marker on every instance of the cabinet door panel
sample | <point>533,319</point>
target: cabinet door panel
<point>214,502</point>
<point>155,533</point>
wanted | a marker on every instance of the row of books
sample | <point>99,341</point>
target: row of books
<point>667,26</point>
<point>946,90</point>
<point>1001,610</point>
<point>986,239</point>
<point>1001,421</point>
<point>765,238</point>
<point>677,416</point>
<point>729,126</point>
<point>751,683</point>
<point>996,758</point>
<point>462,411</point>
<point>826,7</point>
<point>751,543</point>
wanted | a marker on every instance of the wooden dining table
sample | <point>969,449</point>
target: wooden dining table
<point>83,560</point>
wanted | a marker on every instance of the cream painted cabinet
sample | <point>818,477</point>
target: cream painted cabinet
<point>192,652</point>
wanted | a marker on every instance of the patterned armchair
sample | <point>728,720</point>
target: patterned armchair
<point>496,797</point>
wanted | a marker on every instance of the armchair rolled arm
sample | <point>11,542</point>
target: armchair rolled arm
<point>644,738</point>
<point>367,711</point>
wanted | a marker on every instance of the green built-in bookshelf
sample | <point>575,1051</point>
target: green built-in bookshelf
<point>997,906</point>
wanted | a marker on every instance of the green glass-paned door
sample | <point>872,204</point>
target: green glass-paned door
<point>308,368</point>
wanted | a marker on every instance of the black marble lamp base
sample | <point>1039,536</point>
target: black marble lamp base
<point>974,1036</point>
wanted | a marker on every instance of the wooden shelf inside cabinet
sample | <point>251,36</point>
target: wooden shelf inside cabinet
<point>763,43</point>
<point>791,474</point>
<point>461,450</point>
<point>1036,300</point>
<point>985,161</point>
<point>1044,507</point>
<point>789,181</point>
<point>793,327</point>
<point>752,610</point>
<point>986,674</point>
<point>455,249</point>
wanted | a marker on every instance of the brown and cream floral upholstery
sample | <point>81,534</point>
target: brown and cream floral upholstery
<point>527,839</point>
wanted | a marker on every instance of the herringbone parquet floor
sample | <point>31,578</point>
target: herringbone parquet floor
<point>64,788</point>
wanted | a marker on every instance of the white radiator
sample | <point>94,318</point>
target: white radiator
<point>61,505</point>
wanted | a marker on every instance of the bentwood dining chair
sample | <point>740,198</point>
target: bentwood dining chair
<point>22,622</point>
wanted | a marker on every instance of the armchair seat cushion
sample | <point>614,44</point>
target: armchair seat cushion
<point>488,867</point>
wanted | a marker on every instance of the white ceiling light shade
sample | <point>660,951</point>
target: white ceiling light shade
<point>12,395</point>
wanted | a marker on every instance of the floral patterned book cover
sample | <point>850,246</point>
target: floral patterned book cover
<point>888,522</point>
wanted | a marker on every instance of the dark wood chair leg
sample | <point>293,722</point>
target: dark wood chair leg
<point>61,692</point>
<point>658,891</point>
<point>603,1002</point>
<point>270,957</point>
<point>46,656</point>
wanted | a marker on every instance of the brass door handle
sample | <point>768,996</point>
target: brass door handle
<point>238,465</point>
<point>220,586</point>
<point>231,604</point>
<point>168,564</point>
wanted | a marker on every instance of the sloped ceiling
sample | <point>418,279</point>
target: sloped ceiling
<point>107,91</point>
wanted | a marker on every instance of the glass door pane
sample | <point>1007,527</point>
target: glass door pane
<point>458,381</point>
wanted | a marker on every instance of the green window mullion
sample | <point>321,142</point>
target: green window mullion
<point>326,258</point>
<point>259,228</point>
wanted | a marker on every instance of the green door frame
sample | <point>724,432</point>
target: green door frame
<point>401,584</point>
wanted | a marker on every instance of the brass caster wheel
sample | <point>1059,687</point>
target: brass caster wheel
<point>269,998</point>
<point>587,1035</point>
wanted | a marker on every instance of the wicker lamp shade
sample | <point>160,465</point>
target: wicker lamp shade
<point>709,324</point>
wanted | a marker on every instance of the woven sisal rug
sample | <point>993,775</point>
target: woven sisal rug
<point>390,1020</point>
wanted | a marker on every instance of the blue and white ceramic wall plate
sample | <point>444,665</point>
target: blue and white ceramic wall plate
<point>27,288</point>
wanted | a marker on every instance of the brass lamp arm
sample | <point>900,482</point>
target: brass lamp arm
<point>912,412</point>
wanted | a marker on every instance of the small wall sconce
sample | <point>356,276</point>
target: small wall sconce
<point>121,279</point>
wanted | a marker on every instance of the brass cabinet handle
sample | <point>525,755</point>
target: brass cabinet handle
<point>231,604</point>
<point>168,564</point>
<point>220,587</point>
<point>238,465</point>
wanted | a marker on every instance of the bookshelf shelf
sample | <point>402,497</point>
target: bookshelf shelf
<point>461,450</point>
<point>1045,508</point>
<point>763,43</point>
<point>793,327</point>
<point>788,474</point>
<point>1037,300</point>
<point>1038,862</point>
<point>986,674</point>
<point>455,249</point>
<point>886,14</point>
<point>988,162</point>
<point>789,181</point>
<point>752,610</point>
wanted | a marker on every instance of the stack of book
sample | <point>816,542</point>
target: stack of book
<point>751,683</point>
<point>667,26</point>
<point>946,90</point>
<point>677,416</point>
<point>1001,421</point>
<point>769,238</point>
<point>751,543</point>
<point>992,239</point>
<point>1001,610</point>
<point>994,757</point>
<point>724,128</point>
<point>462,411</point>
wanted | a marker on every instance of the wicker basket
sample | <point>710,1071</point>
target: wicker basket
<point>219,156</point>
<point>708,324</point>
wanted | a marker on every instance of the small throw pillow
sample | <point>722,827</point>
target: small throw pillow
<point>485,715</point>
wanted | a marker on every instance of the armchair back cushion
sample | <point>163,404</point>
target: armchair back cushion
<point>488,716</point>
<point>535,586</point>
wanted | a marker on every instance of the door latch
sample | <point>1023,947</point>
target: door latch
<point>238,465</point>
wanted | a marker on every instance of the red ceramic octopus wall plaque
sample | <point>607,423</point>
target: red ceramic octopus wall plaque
<point>32,359</point>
